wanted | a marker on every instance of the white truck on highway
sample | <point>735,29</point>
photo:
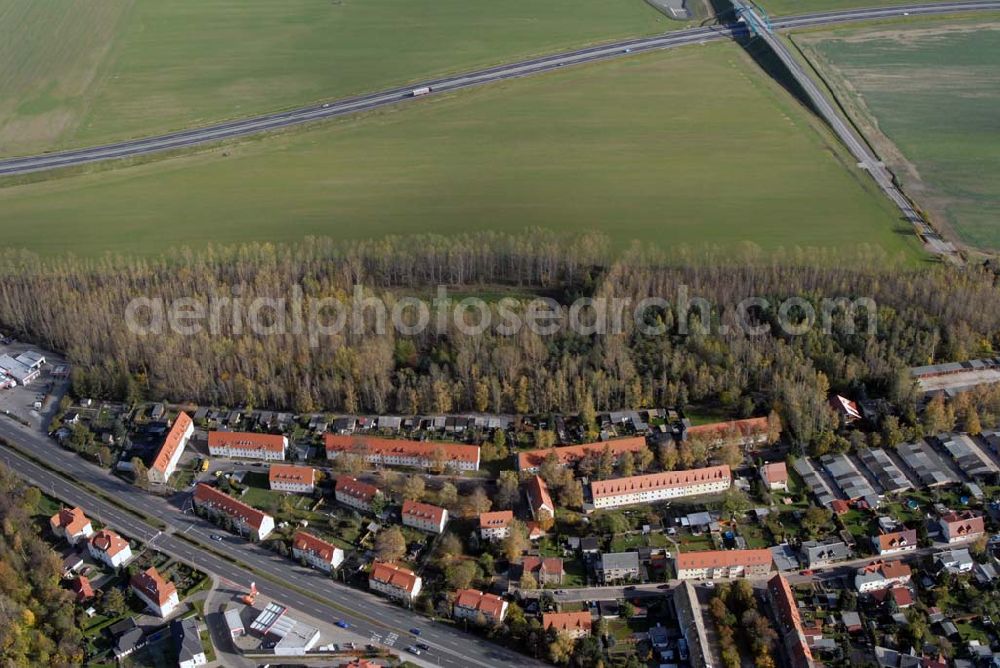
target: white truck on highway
<point>417,92</point>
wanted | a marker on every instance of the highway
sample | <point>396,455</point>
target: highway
<point>316,112</point>
<point>368,615</point>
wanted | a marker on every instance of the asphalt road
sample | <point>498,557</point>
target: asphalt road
<point>238,128</point>
<point>368,615</point>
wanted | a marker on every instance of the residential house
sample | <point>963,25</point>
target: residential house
<point>530,461</point>
<point>573,624</point>
<point>352,492</point>
<point>881,575</point>
<point>786,612</point>
<point>715,564</point>
<point>165,462</point>
<point>471,603</point>
<point>775,476</point>
<point>109,548</point>
<point>246,519</point>
<point>539,498</point>
<point>129,637</point>
<point>187,641</point>
<point>817,554</point>
<point>315,552</point>
<point>81,587</point>
<point>401,452</point>
<point>290,478</point>
<point>653,487</point>
<point>496,525</point>
<point>394,581</point>
<point>159,595</point>
<point>617,567</point>
<point>957,527</point>
<point>590,545</point>
<point>71,524</point>
<point>955,561</point>
<point>424,516</point>
<point>546,570</point>
<point>847,411</point>
<point>894,542</point>
<point>247,445</point>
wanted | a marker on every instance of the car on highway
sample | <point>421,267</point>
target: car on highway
<point>423,646</point>
<point>342,624</point>
<point>415,632</point>
<point>413,649</point>
<point>216,537</point>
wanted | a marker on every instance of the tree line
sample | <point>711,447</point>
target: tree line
<point>924,315</point>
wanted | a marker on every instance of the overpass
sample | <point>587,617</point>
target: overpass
<point>760,25</point>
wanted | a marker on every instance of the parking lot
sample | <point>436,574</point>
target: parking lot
<point>40,398</point>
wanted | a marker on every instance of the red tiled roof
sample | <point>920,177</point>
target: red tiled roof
<point>353,487</point>
<point>246,440</point>
<point>570,454</point>
<point>897,539</point>
<point>472,599</point>
<point>657,481</point>
<point>723,559</point>
<point>744,428</point>
<point>840,506</point>
<point>72,520</point>
<point>966,523</point>
<point>305,475</point>
<point>538,493</point>
<point>776,472</point>
<point>205,494</point>
<point>109,542</point>
<point>396,576</point>
<point>889,569</point>
<point>786,611</point>
<point>544,565</point>
<point>496,519</point>
<point>152,584</point>
<point>82,588</point>
<point>392,447</point>
<point>309,543</point>
<point>171,442</point>
<point>567,621</point>
<point>423,511</point>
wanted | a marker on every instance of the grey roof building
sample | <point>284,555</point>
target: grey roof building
<point>188,643</point>
<point>926,464</point>
<point>888,475</point>
<point>618,566</point>
<point>849,479</point>
<point>967,456</point>
<point>816,554</point>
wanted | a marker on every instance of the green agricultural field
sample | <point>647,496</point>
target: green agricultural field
<point>691,146</point>
<point>79,72</point>
<point>927,95</point>
<point>792,7</point>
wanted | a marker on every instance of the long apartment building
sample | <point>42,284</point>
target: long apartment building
<point>716,564</point>
<point>354,493</point>
<point>316,552</point>
<point>290,478</point>
<point>247,445</point>
<point>402,452</point>
<point>246,519</point>
<point>786,612</point>
<point>660,486</point>
<point>165,462</point>
<point>394,581</point>
<point>424,516</point>
<point>570,455</point>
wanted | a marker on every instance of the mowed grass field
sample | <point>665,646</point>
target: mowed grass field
<point>690,146</point>
<point>792,7</point>
<point>80,72</point>
<point>930,96</point>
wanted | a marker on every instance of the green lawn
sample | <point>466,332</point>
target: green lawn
<point>705,152</point>
<point>80,72</point>
<point>928,94</point>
